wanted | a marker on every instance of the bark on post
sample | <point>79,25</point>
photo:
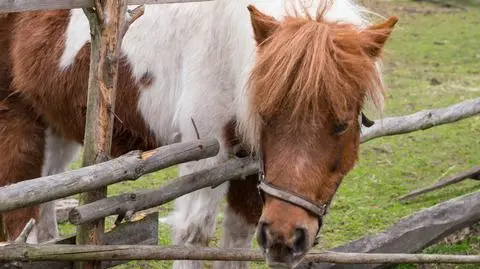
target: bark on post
<point>3,234</point>
<point>107,25</point>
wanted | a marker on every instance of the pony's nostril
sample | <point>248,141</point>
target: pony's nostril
<point>300,241</point>
<point>240,151</point>
<point>262,234</point>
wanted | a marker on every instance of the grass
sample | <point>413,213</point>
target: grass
<point>433,60</point>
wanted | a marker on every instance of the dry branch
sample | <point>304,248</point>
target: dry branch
<point>127,167</point>
<point>135,14</point>
<point>135,252</point>
<point>140,200</point>
<point>29,5</point>
<point>421,120</point>
<point>22,238</point>
<point>473,173</point>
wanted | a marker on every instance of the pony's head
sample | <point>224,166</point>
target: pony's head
<point>306,93</point>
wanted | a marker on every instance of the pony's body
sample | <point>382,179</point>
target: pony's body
<point>182,63</point>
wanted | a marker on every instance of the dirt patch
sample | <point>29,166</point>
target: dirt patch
<point>461,235</point>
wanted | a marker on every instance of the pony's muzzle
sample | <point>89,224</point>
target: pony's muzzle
<point>281,251</point>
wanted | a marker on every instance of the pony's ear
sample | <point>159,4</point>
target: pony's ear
<point>375,36</point>
<point>263,25</point>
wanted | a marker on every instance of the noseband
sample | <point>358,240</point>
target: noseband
<point>319,210</point>
<point>293,198</point>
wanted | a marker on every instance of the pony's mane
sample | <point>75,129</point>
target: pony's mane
<point>309,66</point>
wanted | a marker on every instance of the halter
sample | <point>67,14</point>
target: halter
<point>319,210</point>
<point>293,198</point>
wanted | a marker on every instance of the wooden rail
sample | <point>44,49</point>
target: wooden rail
<point>422,120</point>
<point>141,232</point>
<point>140,200</point>
<point>136,252</point>
<point>127,167</point>
<point>29,5</point>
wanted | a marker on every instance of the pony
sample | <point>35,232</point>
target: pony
<point>288,85</point>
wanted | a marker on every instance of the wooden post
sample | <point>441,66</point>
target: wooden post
<point>107,26</point>
<point>3,234</point>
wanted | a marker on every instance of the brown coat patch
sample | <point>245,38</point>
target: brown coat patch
<point>146,80</point>
<point>242,197</point>
<point>22,146</point>
<point>22,155</point>
<point>61,96</point>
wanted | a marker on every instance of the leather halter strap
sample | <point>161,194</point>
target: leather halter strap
<point>292,198</point>
<point>263,187</point>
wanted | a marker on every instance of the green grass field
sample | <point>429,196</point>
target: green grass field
<point>432,60</point>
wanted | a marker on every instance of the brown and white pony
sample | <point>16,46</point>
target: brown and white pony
<point>291,87</point>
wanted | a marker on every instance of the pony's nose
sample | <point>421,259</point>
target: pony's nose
<point>280,250</point>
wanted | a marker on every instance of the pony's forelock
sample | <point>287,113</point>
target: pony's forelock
<point>309,65</point>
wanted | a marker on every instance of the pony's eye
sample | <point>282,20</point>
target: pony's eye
<point>340,128</point>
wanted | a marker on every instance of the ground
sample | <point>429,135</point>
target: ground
<point>433,60</point>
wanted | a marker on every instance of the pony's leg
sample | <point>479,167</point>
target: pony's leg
<point>193,221</point>
<point>59,152</point>
<point>241,217</point>
<point>46,228</point>
<point>22,146</point>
